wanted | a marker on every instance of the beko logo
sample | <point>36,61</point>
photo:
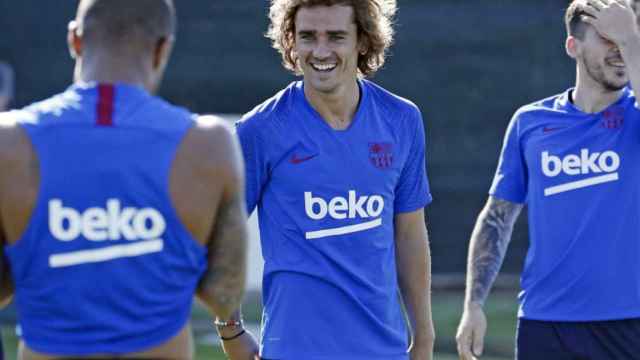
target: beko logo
<point>97,224</point>
<point>340,208</point>
<point>585,163</point>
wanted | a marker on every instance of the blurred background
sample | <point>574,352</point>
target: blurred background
<point>467,64</point>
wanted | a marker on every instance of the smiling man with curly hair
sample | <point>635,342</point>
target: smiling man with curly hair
<point>336,169</point>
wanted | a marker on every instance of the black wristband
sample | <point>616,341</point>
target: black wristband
<point>232,337</point>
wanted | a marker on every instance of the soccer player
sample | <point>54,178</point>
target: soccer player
<point>111,217</point>
<point>336,167</point>
<point>571,158</point>
<point>6,86</point>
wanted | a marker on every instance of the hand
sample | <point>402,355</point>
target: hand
<point>243,347</point>
<point>471,331</point>
<point>613,19</point>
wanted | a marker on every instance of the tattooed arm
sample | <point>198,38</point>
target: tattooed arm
<point>487,249</point>
<point>222,286</point>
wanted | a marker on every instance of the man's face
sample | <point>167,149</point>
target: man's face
<point>601,61</point>
<point>326,45</point>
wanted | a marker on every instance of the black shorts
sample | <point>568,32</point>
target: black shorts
<point>595,340</point>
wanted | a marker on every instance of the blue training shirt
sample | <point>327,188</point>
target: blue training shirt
<point>326,203</point>
<point>578,174</point>
<point>105,265</point>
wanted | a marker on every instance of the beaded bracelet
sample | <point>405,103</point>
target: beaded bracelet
<point>228,323</point>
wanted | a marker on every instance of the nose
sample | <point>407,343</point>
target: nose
<point>321,50</point>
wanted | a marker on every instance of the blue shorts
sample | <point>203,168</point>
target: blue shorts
<point>595,340</point>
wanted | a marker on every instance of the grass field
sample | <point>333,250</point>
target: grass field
<point>500,309</point>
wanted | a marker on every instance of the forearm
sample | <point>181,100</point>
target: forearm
<point>223,288</point>
<point>488,246</point>
<point>415,288</point>
<point>414,278</point>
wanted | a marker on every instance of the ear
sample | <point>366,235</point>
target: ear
<point>162,51</point>
<point>571,46</point>
<point>74,40</point>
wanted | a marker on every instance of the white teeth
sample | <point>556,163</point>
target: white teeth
<point>616,63</point>
<point>324,67</point>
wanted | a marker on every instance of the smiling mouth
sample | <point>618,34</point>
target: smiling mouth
<point>323,67</point>
<point>617,63</point>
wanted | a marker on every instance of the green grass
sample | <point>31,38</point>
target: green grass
<point>500,309</point>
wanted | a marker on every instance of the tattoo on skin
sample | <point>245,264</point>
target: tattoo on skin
<point>225,278</point>
<point>489,242</point>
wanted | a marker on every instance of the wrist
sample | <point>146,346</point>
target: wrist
<point>229,331</point>
<point>473,305</point>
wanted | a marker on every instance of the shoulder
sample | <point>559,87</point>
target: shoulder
<point>554,104</point>
<point>161,109</point>
<point>398,111</point>
<point>50,110</point>
<point>273,112</point>
<point>212,145</point>
<point>212,134</point>
<point>390,102</point>
<point>14,143</point>
<point>530,115</point>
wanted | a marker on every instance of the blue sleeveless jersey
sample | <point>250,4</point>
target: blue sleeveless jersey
<point>578,174</point>
<point>326,203</point>
<point>104,266</point>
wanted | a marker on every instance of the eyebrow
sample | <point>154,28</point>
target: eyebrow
<point>330,32</point>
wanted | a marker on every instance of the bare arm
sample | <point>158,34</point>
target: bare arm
<point>414,276</point>
<point>222,286</point>
<point>487,249</point>
<point>488,246</point>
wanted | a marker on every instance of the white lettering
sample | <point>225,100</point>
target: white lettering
<point>340,208</point>
<point>100,224</point>
<point>549,161</point>
<point>585,163</point>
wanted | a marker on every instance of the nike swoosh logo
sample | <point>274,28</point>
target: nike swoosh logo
<point>296,160</point>
<point>550,129</point>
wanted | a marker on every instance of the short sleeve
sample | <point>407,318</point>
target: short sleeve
<point>510,180</point>
<point>412,191</point>
<point>254,154</point>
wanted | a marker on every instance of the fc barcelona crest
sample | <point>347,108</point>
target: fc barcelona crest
<point>613,118</point>
<point>381,154</point>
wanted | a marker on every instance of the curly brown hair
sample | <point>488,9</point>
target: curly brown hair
<point>373,18</point>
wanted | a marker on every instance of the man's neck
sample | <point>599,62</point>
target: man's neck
<point>591,97</point>
<point>97,70</point>
<point>337,108</point>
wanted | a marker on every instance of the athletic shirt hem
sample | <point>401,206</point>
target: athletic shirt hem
<point>142,344</point>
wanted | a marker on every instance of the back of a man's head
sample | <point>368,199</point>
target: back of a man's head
<point>125,24</point>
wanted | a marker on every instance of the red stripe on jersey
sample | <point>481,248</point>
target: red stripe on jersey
<point>104,108</point>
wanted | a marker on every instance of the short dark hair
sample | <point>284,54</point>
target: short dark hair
<point>574,19</point>
<point>114,22</point>
<point>373,18</point>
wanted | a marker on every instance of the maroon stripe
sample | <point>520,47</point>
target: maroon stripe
<point>104,108</point>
